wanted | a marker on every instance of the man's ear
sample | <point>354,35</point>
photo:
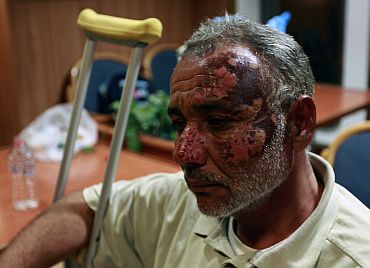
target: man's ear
<point>302,122</point>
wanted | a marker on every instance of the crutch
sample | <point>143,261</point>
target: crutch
<point>136,34</point>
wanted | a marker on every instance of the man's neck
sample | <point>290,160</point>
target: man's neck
<point>285,210</point>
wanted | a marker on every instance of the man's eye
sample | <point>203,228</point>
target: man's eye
<point>179,125</point>
<point>219,123</point>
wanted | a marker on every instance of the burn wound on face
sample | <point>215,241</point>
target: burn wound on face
<point>217,76</point>
<point>245,111</point>
<point>274,119</point>
<point>207,82</point>
<point>187,77</point>
<point>243,144</point>
<point>189,146</point>
<point>245,66</point>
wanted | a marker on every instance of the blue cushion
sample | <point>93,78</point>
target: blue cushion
<point>162,66</point>
<point>105,85</point>
<point>102,71</point>
<point>352,166</point>
<point>111,90</point>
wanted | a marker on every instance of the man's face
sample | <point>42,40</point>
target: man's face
<point>228,144</point>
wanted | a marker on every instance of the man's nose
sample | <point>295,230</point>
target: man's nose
<point>190,148</point>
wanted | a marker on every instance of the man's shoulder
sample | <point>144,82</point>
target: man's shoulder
<point>157,179</point>
<point>158,186</point>
<point>350,233</point>
<point>156,183</point>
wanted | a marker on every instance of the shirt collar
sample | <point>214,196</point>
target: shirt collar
<point>302,248</point>
<point>214,231</point>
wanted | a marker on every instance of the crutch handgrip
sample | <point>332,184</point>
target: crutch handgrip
<point>146,31</point>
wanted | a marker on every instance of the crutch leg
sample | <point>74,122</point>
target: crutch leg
<point>78,102</point>
<point>115,148</point>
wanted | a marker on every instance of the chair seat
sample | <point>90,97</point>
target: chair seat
<point>106,82</point>
<point>352,165</point>
<point>349,153</point>
<point>159,63</point>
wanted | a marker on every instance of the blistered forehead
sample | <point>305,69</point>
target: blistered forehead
<point>219,73</point>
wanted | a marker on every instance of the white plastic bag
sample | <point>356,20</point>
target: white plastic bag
<point>46,135</point>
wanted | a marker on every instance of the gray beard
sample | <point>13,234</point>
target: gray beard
<point>255,184</point>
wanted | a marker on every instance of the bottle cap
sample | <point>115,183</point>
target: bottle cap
<point>18,141</point>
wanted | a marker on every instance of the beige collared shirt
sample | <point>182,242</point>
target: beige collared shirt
<point>154,222</point>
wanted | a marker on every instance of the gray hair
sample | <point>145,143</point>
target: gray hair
<point>287,72</point>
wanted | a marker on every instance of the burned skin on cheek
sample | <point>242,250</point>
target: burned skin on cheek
<point>245,143</point>
<point>246,140</point>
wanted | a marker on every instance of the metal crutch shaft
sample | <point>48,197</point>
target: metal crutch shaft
<point>115,148</point>
<point>78,102</point>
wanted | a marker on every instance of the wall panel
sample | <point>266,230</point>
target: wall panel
<point>9,119</point>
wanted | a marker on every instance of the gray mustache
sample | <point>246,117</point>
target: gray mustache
<point>203,176</point>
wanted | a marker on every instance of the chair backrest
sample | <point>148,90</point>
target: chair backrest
<point>106,66</point>
<point>159,62</point>
<point>349,155</point>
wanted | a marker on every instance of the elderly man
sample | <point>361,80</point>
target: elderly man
<point>250,195</point>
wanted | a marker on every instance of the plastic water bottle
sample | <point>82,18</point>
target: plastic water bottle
<point>21,164</point>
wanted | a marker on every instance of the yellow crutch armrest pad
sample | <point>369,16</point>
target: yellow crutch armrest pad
<point>146,31</point>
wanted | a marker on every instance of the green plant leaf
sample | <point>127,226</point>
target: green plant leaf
<point>149,117</point>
